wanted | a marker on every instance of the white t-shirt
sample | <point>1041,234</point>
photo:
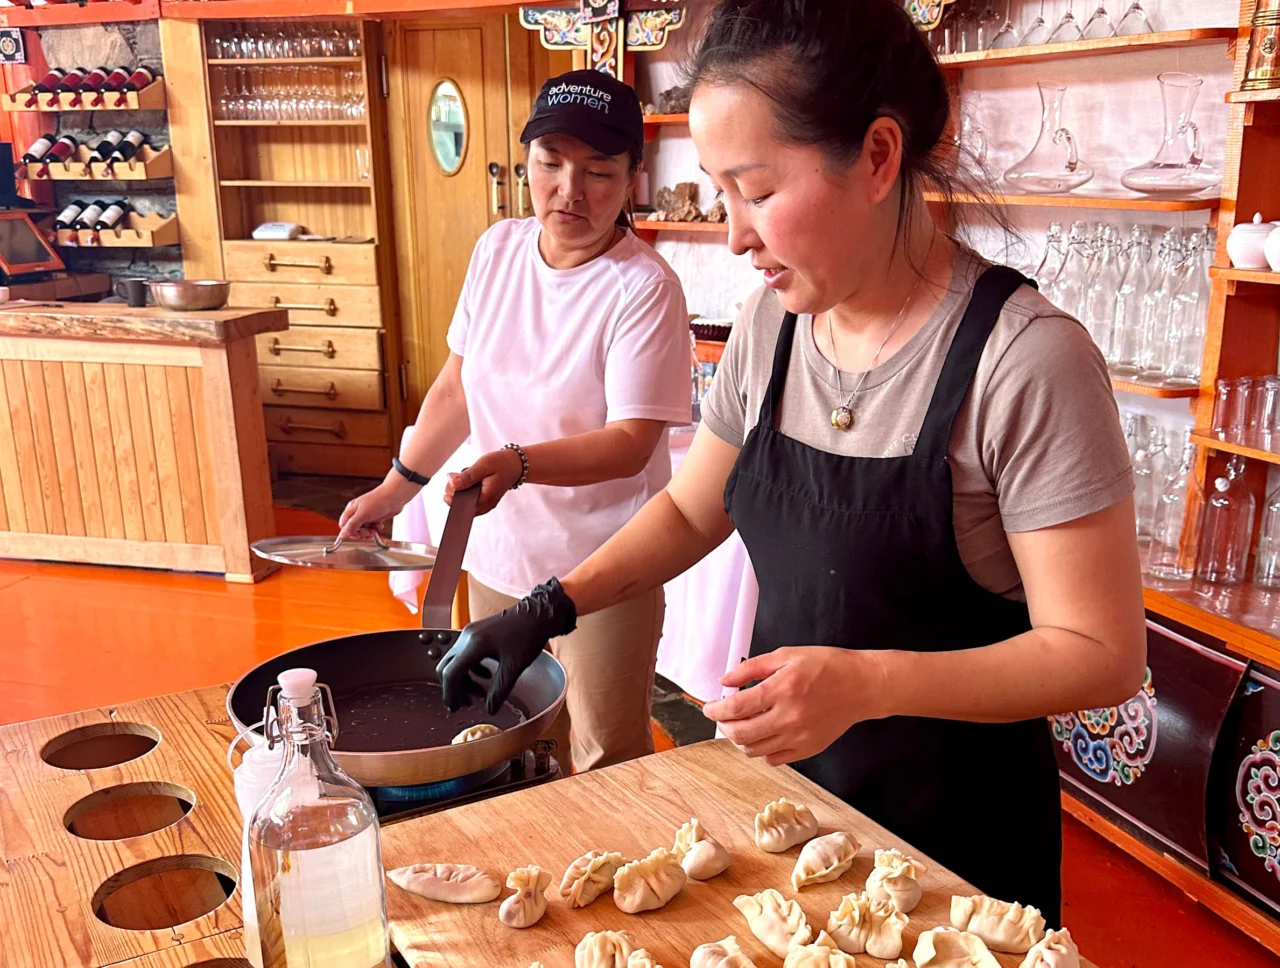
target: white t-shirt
<point>551,353</point>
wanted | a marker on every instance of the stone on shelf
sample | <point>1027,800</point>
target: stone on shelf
<point>679,204</point>
<point>675,100</point>
<point>717,212</point>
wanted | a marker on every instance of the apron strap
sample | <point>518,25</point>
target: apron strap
<point>993,288</point>
<point>778,379</point>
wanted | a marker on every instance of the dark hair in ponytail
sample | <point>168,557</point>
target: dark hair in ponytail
<point>831,68</point>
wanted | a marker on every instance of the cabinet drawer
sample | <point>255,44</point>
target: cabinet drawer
<point>299,387</point>
<point>336,459</point>
<point>322,346</point>
<point>318,304</point>
<point>347,264</point>
<point>299,425</point>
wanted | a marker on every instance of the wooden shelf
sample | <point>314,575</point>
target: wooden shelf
<point>1150,390</point>
<point>1129,201</point>
<point>344,123</point>
<point>63,14</point>
<point>665,119</point>
<point>149,164</point>
<point>1088,48</point>
<point>1263,276</point>
<point>1253,97</point>
<point>719,228</point>
<point>328,9</point>
<point>252,183</point>
<point>138,232</point>
<point>1217,898</point>
<point>150,98</point>
<point>255,61</point>
<point>1206,439</point>
<point>1239,615</point>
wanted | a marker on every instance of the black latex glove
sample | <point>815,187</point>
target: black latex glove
<point>513,638</point>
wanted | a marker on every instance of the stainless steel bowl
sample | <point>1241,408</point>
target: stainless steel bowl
<point>191,295</point>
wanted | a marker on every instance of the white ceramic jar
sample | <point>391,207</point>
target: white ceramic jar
<point>1246,241</point>
<point>1271,247</point>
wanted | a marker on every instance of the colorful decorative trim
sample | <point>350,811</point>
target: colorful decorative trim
<point>648,29</point>
<point>561,27</point>
<point>1112,744</point>
<point>595,10</point>
<point>606,47</point>
<point>926,13</point>
<point>1258,797</point>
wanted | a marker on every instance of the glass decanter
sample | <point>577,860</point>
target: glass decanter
<point>1228,528</point>
<point>314,850</point>
<point>1067,291</point>
<point>1097,308</point>
<point>1175,526</point>
<point>1178,166</point>
<point>1053,165</point>
<point>1153,346</point>
<point>1126,323</point>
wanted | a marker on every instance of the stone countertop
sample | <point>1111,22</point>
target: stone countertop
<point>116,322</point>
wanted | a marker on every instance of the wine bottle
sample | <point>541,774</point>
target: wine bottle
<point>115,81</point>
<point>62,150</point>
<point>128,147</point>
<point>104,148</point>
<point>140,78</point>
<point>92,84</point>
<point>70,82</point>
<point>45,85</point>
<point>89,217</point>
<point>39,148</point>
<point>69,215</point>
<point>111,216</point>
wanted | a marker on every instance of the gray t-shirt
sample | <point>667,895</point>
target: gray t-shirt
<point>1037,441</point>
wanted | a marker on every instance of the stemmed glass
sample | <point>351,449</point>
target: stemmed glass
<point>1099,26</point>
<point>1007,36</point>
<point>1134,21</point>
<point>1068,29</point>
<point>1038,33</point>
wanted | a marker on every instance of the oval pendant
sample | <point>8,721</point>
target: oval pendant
<point>842,418</point>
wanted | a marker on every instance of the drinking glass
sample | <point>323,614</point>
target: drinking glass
<point>1038,32</point>
<point>1266,568</point>
<point>1264,410</point>
<point>1098,26</point>
<point>1007,35</point>
<point>1134,21</point>
<point>1067,29</point>
<point>364,166</point>
<point>1240,410</point>
<point>1228,528</point>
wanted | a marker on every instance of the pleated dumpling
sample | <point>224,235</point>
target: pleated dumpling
<point>454,883</point>
<point>860,924</point>
<point>823,953</point>
<point>528,904</point>
<point>777,921</point>
<point>720,954</point>
<point>896,878</point>
<point>1055,950</point>
<point>824,859</point>
<point>900,963</point>
<point>701,855</point>
<point>472,733</point>
<point>604,949</point>
<point>949,948</point>
<point>641,959</point>
<point>1001,925</point>
<point>649,883</point>
<point>783,824</point>
<point>589,876</point>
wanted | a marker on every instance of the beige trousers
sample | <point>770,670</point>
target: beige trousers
<point>609,660</point>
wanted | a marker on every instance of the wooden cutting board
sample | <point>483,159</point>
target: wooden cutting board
<point>633,808</point>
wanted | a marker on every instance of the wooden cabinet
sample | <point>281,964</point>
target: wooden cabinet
<point>313,304</point>
<point>321,263</point>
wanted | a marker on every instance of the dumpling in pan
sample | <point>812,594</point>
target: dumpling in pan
<point>823,953</point>
<point>777,921</point>
<point>454,883</point>
<point>590,876</point>
<point>1003,926</point>
<point>604,949</point>
<point>949,948</point>
<point>783,824</point>
<point>649,883</point>
<point>720,954</point>
<point>528,904</point>
<point>1054,950</point>
<point>860,924</point>
<point>701,855</point>
<point>824,859</point>
<point>475,732</point>
<point>896,878</point>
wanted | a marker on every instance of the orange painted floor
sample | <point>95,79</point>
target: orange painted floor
<point>77,636</point>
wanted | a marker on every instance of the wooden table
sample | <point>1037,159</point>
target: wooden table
<point>134,437</point>
<point>52,880</point>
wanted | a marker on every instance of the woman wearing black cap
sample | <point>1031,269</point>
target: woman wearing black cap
<point>922,455</point>
<point>569,359</point>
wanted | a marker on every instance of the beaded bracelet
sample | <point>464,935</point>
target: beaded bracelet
<point>524,463</point>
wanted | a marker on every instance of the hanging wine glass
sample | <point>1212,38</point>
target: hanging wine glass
<point>1007,35</point>
<point>1053,164</point>
<point>1068,29</point>
<point>1134,21</point>
<point>988,24</point>
<point>1038,33</point>
<point>1099,26</point>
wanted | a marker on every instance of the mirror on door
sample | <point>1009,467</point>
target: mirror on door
<point>448,127</point>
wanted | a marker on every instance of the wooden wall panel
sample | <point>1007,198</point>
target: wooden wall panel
<point>204,454</point>
<point>82,443</point>
<point>64,449</point>
<point>144,452</point>
<point>25,444</point>
<point>185,455</point>
<point>166,455</point>
<point>10,476</point>
<point>95,385</point>
<point>122,436</point>
<point>42,439</point>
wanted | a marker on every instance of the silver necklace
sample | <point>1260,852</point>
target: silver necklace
<point>842,416</point>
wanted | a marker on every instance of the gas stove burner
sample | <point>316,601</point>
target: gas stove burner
<point>444,790</point>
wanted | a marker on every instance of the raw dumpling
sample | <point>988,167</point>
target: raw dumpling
<point>720,954</point>
<point>900,963</point>
<point>649,883</point>
<point>824,859</point>
<point>604,949</point>
<point>701,855</point>
<point>454,883</point>
<point>1055,950</point>
<point>777,921</point>
<point>590,876</point>
<point>1001,925</point>
<point>861,924</point>
<point>949,948</point>
<point>528,904</point>
<point>475,732</point>
<point>823,953</point>
<point>642,959</point>
<point>895,878</point>
<point>783,824</point>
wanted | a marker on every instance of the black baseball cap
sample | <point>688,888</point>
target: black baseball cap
<point>591,106</point>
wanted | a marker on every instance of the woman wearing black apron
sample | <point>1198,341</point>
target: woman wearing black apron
<point>922,455</point>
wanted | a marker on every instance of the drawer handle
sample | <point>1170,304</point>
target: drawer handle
<point>272,263</point>
<point>327,349</point>
<point>330,308</point>
<point>338,429</point>
<point>279,389</point>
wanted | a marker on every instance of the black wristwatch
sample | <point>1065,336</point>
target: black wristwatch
<point>407,474</point>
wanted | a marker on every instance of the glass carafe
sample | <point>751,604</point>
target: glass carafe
<point>1266,567</point>
<point>1126,331</point>
<point>1067,291</point>
<point>1228,529</point>
<point>314,850</point>
<point>1178,166</point>
<point>1175,526</point>
<point>1053,164</point>
<point>1098,306</point>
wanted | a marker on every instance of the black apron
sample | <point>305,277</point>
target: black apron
<point>860,553</point>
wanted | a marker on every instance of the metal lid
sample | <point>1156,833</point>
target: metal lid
<point>319,551</point>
